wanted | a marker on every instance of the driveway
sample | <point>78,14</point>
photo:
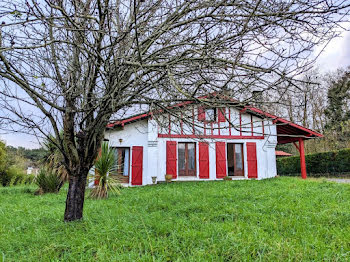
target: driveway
<point>339,180</point>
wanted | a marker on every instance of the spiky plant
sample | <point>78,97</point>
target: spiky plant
<point>54,159</point>
<point>104,165</point>
<point>47,181</point>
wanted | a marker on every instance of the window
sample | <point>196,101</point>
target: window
<point>187,159</point>
<point>210,114</point>
<point>235,159</point>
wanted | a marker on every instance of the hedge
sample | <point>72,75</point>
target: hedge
<point>328,163</point>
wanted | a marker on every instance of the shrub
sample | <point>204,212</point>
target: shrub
<point>13,176</point>
<point>5,178</point>
<point>17,176</point>
<point>29,179</point>
<point>105,165</point>
<point>47,181</point>
<point>330,163</point>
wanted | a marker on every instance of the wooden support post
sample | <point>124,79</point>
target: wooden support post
<point>302,158</point>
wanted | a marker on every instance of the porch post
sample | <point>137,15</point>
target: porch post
<point>302,158</point>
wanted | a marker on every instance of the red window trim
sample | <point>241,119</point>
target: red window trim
<point>221,147</point>
<point>204,163</point>
<point>137,166</point>
<point>171,163</point>
<point>252,162</point>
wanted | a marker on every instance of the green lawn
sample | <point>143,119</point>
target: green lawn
<point>277,219</point>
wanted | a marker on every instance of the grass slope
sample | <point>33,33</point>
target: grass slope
<point>277,219</point>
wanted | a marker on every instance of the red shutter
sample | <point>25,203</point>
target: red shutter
<point>137,159</point>
<point>201,113</point>
<point>252,161</point>
<point>221,116</point>
<point>171,158</point>
<point>220,160</point>
<point>203,160</point>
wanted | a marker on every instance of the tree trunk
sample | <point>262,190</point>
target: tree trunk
<point>75,198</point>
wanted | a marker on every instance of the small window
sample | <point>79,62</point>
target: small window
<point>210,114</point>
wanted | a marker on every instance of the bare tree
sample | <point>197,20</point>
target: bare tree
<point>81,62</point>
<point>305,102</point>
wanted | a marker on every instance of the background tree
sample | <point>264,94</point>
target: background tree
<point>81,63</point>
<point>320,103</point>
<point>338,109</point>
<point>3,157</point>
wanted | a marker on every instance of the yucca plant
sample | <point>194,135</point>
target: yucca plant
<point>54,159</point>
<point>104,166</point>
<point>47,181</point>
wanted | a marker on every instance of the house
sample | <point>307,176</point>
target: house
<point>207,143</point>
<point>32,170</point>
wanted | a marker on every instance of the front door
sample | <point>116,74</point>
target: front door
<point>187,159</point>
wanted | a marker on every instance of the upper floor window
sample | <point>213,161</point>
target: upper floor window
<point>210,114</point>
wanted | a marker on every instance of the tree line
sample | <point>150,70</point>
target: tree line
<point>321,103</point>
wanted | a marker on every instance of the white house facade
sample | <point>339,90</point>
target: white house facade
<point>204,144</point>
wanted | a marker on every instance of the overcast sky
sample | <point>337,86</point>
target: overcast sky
<point>336,55</point>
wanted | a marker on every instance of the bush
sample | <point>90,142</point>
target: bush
<point>17,176</point>
<point>331,163</point>
<point>47,181</point>
<point>29,179</point>
<point>14,176</point>
<point>5,178</point>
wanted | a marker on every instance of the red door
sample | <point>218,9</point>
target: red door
<point>203,160</point>
<point>137,159</point>
<point>171,158</point>
<point>252,161</point>
<point>220,160</point>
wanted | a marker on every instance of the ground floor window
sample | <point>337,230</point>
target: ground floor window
<point>187,159</point>
<point>235,159</point>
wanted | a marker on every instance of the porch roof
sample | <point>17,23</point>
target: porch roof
<point>287,131</point>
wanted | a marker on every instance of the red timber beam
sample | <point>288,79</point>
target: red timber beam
<point>302,157</point>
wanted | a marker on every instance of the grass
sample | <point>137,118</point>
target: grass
<point>272,220</point>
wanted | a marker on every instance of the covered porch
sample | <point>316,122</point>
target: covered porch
<point>289,132</point>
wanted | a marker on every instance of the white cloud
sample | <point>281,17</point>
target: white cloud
<point>336,54</point>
